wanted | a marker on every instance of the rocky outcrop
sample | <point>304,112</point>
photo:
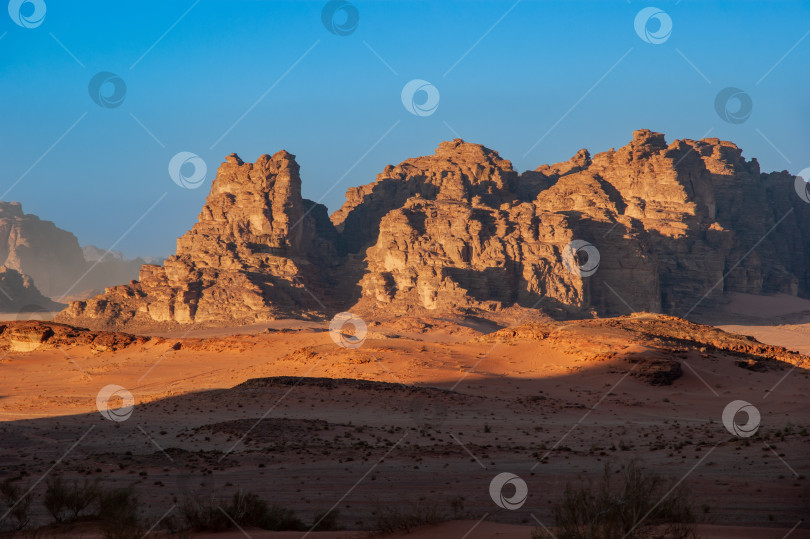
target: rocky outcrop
<point>673,225</point>
<point>651,226</point>
<point>257,252</point>
<point>30,335</point>
<point>654,346</point>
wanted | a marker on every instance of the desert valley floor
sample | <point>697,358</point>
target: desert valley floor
<point>423,415</point>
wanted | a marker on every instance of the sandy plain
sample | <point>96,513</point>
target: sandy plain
<point>424,414</point>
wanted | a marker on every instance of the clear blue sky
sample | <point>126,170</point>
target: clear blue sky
<point>335,104</point>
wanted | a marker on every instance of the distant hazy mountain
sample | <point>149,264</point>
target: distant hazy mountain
<point>94,254</point>
<point>19,295</point>
<point>52,258</point>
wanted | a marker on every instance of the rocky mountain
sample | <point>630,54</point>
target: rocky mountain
<point>649,227</point>
<point>92,254</point>
<point>52,258</point>
<point>49,255</point>
<point>258,251</point>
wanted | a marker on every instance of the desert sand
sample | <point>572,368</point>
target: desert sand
<point>424,414</point>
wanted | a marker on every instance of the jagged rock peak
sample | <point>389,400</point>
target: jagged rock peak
<point>582,158</point>
<point>580,161</point>
<point>651,139</point>
<point>468,152</point>
<point>234,158</point>
<point>458,171</point>
<point>234,174</point>
<point>10,209</point>
<point>258,251</point>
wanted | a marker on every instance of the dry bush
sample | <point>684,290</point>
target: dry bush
<point>118,513</point>
<point>394,519</point>
<point>326,521</point>
<point>244,508</point>
<point>17,502</point>
<point>640,505</point>
<point>66,502</point>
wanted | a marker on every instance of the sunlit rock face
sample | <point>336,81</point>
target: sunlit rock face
<point>648,227</point>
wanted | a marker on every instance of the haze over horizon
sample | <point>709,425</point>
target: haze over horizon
<point>585,79</point>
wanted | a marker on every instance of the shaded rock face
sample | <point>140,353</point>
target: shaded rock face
<point>52,256</point>
<point>19,295</point>
<point>461,232</point>
<point>49,255</point>
<point>258,251</point>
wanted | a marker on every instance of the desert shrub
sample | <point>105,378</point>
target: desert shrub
<point>244,508</point>
<point>67,501</point>
<point>118,513</point>
<point>326,521</point>
<point>203,515</point>
<point>393,519</point>
<point>247,509</point>
<point>17,502</point>
<point>640,505</point>
<point>457,506</point>
<point>282,518</point>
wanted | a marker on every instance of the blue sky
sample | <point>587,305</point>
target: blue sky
<point>507,74</point>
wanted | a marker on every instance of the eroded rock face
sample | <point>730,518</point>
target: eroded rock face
<point>30,335</point>
<point>257,252</point>
<point>474,234</point>
<point>461,232</point>
<point>673,225</point>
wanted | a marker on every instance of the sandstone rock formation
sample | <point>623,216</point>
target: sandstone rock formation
<point>258,251</point>
<point>671,223</point>
<point>649,227</point>
<point>52,256</point>
<point>29,335</point>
